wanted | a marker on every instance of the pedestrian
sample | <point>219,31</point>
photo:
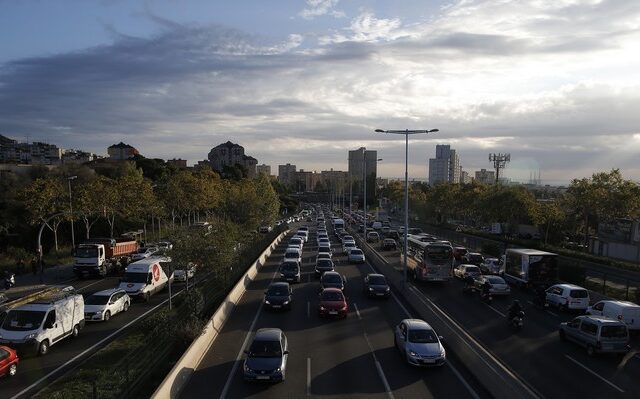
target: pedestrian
<point>20,266</point>
<point>34,265</point>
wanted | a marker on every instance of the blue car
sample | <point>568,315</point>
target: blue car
<point>267,356</point>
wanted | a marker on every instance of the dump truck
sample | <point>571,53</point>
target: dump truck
<point>100,256</point>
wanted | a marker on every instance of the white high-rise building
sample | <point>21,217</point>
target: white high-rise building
<point>445,167</point>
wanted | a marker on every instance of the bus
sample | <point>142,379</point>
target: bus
<point>530,267</point>
<point>429,261</point>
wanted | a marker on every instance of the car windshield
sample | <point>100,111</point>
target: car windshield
<point>377,280</point>
<point>289,267</point>
<point>97,300</point>
<point>422,336</point>
<point>265,349</point>
<point>579,294</point>
<point>325,263</point>
<point>356,252</point>
<point>349,244</point>
<point>23,320</point>
<point>86,252</point>
<point>291,255</point>
<point>332,296</point>
<point>134,278</point>
<point>324,249</point>
<point>278,290</point>
<point>613,332</point>
<point>331,278</point>
<point>495,280</point>
<point>438,252</point>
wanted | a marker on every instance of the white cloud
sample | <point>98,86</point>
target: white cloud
<point>317,8</point>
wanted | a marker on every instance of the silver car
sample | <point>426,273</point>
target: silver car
<point>419,343</point>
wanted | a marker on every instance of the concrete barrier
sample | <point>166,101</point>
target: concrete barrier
<point>179,375</point>
<point>495,376</point>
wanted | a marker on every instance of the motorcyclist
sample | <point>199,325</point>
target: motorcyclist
<point>486,289</point>
<point>468,282</point>
<point>514,309</point>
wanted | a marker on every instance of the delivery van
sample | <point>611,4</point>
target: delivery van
<point>35,326</point>
<point>626,312</point>
<point>144,278</point>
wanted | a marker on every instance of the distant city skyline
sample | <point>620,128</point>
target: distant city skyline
<point>555,84</point>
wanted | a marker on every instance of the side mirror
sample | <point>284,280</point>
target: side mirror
<point>285,352</point>
<point>440,337</point>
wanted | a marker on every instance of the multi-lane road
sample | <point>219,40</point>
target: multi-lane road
<point>354,357</point>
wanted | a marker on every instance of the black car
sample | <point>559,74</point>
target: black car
<point>278,296</point>
<point>389,244</point>
<point>332,280</point>
<point>473,258</point>
<point>375,285</point>
<point>324,265</point>
<point>393,234</point>
<point>290,271</point>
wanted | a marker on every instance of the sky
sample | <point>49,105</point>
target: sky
<point>556,83</point>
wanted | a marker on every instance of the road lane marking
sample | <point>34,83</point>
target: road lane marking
<point>551,313</point>
<point>387,388</point>
<point>95,346</point>
<point>355,306</point>
<point>464,382</point>
<point>496,310</point>
<point>227,384</point>
<point>594,373</point>
<point>308,376</point>
<point>308,310</point>
<point>89,285</point>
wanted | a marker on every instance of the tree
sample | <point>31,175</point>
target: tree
<point>43,198</point>
<point>546,214</point>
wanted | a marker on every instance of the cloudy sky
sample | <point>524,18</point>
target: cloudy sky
<point>554,83</point>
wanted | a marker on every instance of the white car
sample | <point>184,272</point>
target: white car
<point>462,271</point>
<point>568,296</point>
<point>347,246</point>
<point>324,242</point>
<point>303,234</point>
<point>293,254</point>
<point>497,285</point>
<point>183,274</point>
<point>104,304</point>
<point>356,256</point>
<point>144,253</point>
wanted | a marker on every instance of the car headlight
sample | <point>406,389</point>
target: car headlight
<point>267,302</point>
<point>281,274</point>
<point>412,353</point>
<point>285,302</point>
<point>322,308</point>
<point>443,353</point>
<point>387,289</point>
<point>344,307</point>
<point>370,288</point>
<point>30,336</point>
<point>247,369</point>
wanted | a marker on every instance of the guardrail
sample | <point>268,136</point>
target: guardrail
<point>180,374</point>
<point>495,376</point>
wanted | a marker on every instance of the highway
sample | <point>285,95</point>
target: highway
<point>33,372</point>
<point>350,358</point>
<point>552,367</point>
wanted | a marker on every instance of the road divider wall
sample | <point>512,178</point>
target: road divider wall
<point>179,375</point>
<point>496,377</point>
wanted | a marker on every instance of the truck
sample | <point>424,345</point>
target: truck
<point>101,256</point>
<point>530,267</point>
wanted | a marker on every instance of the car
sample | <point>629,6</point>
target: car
<point>389,244</point>
<point>497,284</point>
<point>473,258</point>
<point>303,228</point>
<point>384,230</point>
<point>143,253</point>
<point>332,303</point>
<point>348,246</point>
<point>332,280</point>
<point>293,254</point>
<point>373,236</point>
<point>462,271</point>
<point>491,266</point>
<point>393,234</point>
<point>375,285</point>
<point>267,356</point>
<point>323,255</point>
<point>290,271</point>
<point>304,235</point>
<point>323,265</point>
<point>165,245</point>
<point>627,312</point>
<point>325,250</point>
<point>186,273</point>
<point>104,304</point>
<point>8,361</point>
<point>418,343</point>
<point>323,240</point>
<point>278,296</point>
<point>297,240</point>
<point>347,238</point>
<point>597,334</point>
<point>356,256</point>
<point>459,252</point>
<point>567,297</point>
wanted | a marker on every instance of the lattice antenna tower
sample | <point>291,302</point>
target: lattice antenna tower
<point>499,162</point>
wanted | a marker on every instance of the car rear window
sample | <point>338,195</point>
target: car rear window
<point>613,332</point>
<point>578,294</point>
<point>332,296</point>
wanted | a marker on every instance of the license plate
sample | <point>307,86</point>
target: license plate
<point>333,312</point>
<point>275,306</point>
<point>428,361</point>
<point>262,377</point>
<point>379,294</point>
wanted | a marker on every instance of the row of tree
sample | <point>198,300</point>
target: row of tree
<point>587,202</point>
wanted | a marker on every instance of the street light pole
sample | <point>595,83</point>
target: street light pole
<point>73,238</point>
<point>406,132</point>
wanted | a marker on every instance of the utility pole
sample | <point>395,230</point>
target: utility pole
<point>499,162</point>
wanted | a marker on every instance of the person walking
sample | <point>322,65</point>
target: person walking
<point>34,266</point>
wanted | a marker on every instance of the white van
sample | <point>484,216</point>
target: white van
<point>144,278</point>
<point>568,297</point>
<point>35,326</point>
<point>627,312</point>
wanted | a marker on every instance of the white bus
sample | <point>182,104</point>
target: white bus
<point>429,261</point>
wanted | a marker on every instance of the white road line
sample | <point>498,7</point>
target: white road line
<point>464,382</point>
<point>308,376</point>
<point>308,310</point>
<point>551,313</point>
<point>227,384</point>
<point>496,310</point>
<point>96,345</point>
<point>89,285</point>
<point>594,373</point>
<point>355,306</point>
<point>387,388</point>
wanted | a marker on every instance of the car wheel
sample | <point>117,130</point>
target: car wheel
<point>107,316</point>
<point>13,369</point>
<point>590,350</point>
<point>126,307</point>
<point>43,349</point>
<point>75,331</point>
<point>146,297</point>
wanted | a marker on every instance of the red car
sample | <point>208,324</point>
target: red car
<point>8,361</point>
<point>332,303</point>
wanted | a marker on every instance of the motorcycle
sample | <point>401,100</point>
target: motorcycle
<point>517,321</point>
<point>486,298</point>
<point>9,281</point>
